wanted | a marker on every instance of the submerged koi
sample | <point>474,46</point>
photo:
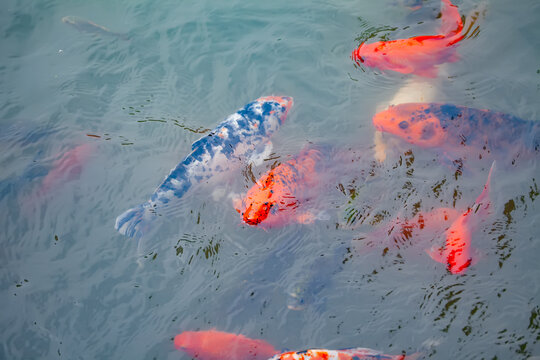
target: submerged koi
<point>346,354</point>
<point>413,230</point>
<point>277,196</point>
<point>90,27</point>
<point>454,127</point>
<point>218,345</point>
<point>417,55</point>
<point>238,138</point>
<point>456,253</point>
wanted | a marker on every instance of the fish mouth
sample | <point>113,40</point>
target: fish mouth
<point>252,222</point>
<point>68,20</point>
<point>252,217</point>
<point>356,55</point>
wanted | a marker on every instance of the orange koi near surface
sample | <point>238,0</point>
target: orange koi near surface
<point>219,345</point>
<point>279,194</point>
<point>417,55</point>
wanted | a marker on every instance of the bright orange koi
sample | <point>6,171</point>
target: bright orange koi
<point>417,55</point>
<point>278,194</point>
<point>218,345</point>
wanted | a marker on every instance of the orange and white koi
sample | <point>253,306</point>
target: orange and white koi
<point>279,195</point>
<point>346,354</point>
<point>417,55</point>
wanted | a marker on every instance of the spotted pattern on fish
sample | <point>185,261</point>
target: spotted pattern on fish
<point>346,354</point>
<point>234,141</point>
<point>448,125</point>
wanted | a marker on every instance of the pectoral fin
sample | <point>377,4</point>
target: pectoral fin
<point>429,72</point>
<point>476,256</point>
<point>306,218</point>
<point>437,254</point>
<point>260,153</point>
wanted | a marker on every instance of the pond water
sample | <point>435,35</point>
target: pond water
<point>92,118</point>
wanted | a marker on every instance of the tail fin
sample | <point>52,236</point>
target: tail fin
<point>451,20</point>
<point>484,196</point>
<point>483,201</point>
<point>134,222</point>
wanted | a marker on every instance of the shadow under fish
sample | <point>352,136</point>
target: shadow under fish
<point>90,27</point>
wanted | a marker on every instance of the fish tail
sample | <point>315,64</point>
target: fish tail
<point>135,221</point>
<point>451,20</point>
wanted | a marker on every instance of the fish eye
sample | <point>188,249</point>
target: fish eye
<point>403,125</point>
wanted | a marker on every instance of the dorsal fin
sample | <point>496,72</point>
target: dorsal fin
<point>484,196</point>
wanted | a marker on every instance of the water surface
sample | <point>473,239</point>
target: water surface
<point>72,287</point>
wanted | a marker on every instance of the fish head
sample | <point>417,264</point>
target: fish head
<point>458,261</point>
<point>73,20</point>
<point>414,122</point>
<point>69,20</point>
<point>259,201</point>
<point>375,55</point>
<point>188,341</point>
<point>367,54</point>
<point>278,105</point>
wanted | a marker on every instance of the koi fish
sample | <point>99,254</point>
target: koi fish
<point>66,168</point>
<point>218,345</point>
<point>417,55</point>
<point>277,196</point>
<point>458,229</point>
<point>413,230</point>
<point>90,27</point>
<point>238,138</point>
<point>454,128</point>
<point>346,354</point>
<point>456,253</point>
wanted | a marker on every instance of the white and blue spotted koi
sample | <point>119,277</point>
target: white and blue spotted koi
<point>237,139</point>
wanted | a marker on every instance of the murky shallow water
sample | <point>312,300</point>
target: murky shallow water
<point>72,287</point>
